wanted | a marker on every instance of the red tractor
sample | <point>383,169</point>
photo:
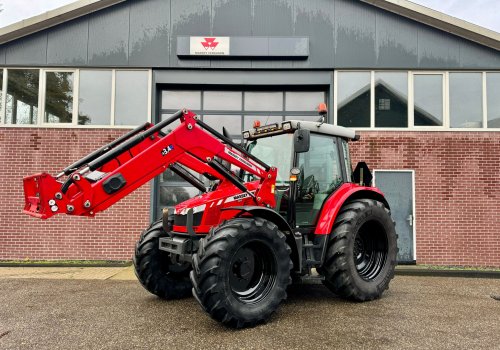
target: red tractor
<point>282,207</point>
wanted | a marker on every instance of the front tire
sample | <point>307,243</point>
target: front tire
<point>155,270</point>
<point>241,271</point>
<point>361,253</point>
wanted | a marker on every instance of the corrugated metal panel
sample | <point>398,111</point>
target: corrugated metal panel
<point>2,55</point>
<point>475,56</point>
<point>189,17</point>
<point>31,50</point>
<point>149,33</point>
<point>67,43</point>
<point>315,19</point>
<point>231,18</point>
<point>272,18</point>
<point>436,50</point>
<point>108,36</point>
<point>396,41</point>
<point>355,35</point>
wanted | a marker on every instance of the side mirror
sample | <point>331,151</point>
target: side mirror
<point>301,140</point>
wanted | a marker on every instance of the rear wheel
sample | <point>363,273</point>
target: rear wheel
<point>156,271</point>
<point>361,253</point>
<point>241,271</point>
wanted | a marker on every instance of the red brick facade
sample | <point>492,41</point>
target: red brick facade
<point>457,185</point>
<point>457,177</point>
<point>111,235</point>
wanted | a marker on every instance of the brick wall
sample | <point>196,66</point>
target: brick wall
<point>111,235</point>
<point>457,185</point>
<point>457,195</point>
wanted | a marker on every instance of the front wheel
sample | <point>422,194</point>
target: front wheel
<point>156,271</point>
<point>241,271</point>
<point>361,253</point>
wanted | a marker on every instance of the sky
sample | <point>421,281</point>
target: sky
<point>485,13</point>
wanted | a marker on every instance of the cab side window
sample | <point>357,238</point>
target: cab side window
<point>320,175</point>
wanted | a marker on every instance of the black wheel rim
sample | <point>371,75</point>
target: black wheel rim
<point>370,250</point>
<point>252,272</point>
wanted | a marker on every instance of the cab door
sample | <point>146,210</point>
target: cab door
<point>320,175</point>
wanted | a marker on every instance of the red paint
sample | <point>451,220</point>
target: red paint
<point>333,204</point>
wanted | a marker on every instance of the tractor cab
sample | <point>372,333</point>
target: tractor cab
<point>312,160</point>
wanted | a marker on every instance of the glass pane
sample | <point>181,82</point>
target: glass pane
<point>94,97</point>
<point>58,97</point>
<point>173,195</point>
<point>22,96</point>
<point>176,99</point>
<point>248,121</point>
<point>320,175</point>
<point>493,96</point>
<point>303,101</point>
<point>391,99</point>
<point>428,109</point>
<point>232,123</point>
<point>222,100</point>
<point>353,95</point>
<point>131,100</point>
<point>311,118</point>
<point>263,101</point>
<point>466,100</point>
<point>172,126</point>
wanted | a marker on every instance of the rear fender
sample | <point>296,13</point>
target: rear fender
<point>283,226</point>
<point>343,194</point>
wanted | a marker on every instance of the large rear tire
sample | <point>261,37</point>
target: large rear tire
<point>155,270</point>
<point>241,271</point>
<point>361,253</point>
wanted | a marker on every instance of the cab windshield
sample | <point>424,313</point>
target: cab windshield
<point>274,151</point>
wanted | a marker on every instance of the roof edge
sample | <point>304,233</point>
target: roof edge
<point>52,18</point>
<point>440,20</point>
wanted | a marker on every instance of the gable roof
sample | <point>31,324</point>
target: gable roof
<point>403,8</point>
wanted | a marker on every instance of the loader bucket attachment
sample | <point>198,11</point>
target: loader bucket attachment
<point>38,192</point>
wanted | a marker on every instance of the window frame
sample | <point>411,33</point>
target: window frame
<point>411,94</point>
<point>76,95</point>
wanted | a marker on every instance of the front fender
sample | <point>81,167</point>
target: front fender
<point>343,194</point>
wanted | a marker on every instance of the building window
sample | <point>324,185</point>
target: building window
<point>428,99</point>
<point>353,99</point>
<point>94,101</point>
<point>1,92</point>
<point>22,96</point>
<point>493,99</point>
<point>391,96</point>
<point>131,98</point>
<point>58,104</point>
<point>263,101</point>
<point>466,109</point>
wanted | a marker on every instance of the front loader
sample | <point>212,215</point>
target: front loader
<point>272,211</point>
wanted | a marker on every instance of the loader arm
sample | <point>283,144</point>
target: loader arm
<point>105,176</point>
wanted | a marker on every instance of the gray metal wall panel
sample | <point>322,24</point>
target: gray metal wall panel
<point>67,43</point>
<point>396,41</point>
<point>436,50</point>
<point>354,35</point>
<point>342,34</point>
<point>191,18</point>
<point>149,33</point>
<point>231,18</point>
<point>272,18</point>
<point>32,50</point>
<point>2,55</point>
<point>314,19</point>
<point>108,36</point>
<point>475,56</point>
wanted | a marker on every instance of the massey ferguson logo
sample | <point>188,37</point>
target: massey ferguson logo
<point>204,46</point>
<point>209,43</point>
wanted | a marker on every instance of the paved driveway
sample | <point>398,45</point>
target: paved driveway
<point>417,312</point>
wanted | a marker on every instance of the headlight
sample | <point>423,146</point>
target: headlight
<point>286,125</point>
<point>246,135</point>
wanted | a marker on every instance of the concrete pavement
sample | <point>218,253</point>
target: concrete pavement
<point>107,313</point>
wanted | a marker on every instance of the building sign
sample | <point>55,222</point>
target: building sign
<point>209,46</point>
